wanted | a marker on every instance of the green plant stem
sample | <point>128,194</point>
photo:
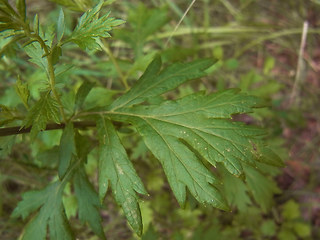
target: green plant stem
<point>51,74</point>
<point>123,78</point>
<point>52,86</point>
<point>212,30</point>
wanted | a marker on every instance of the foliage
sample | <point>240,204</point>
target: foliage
<point>209,158</point>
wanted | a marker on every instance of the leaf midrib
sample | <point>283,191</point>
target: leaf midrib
<point>150,87</point>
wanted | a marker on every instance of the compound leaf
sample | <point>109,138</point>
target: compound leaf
<point>155,82</point>
<point>196,128</point>
<point>116,168</point>
<point>46,109</point>
<point>51,213</point>
<point>91,27</point>
<point>88,202</point>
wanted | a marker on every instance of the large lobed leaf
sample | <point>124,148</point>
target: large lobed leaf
<point>196,128</point>
<point>185,135</point>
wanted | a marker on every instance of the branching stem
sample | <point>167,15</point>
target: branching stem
<point>123,78</point>
<point>51,126</point>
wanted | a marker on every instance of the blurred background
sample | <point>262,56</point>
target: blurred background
<point>270,49</point>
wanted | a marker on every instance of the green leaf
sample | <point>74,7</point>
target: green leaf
<point>261,187</point>
<point>88,202</point>
<point>36,24</point>
<point>116,168</point>
<point>6,144</point>
<point>155,82</point>
<point>23,92</point>
<point>268,228</point>
<point>21,6</point>
<point>56,54</point>
<point>235,190</point>
<point>291,210</point>
<point>67,149</point>
<point>7,115</point>
<point>6,9</point>
<point>60,26</point>
<point>150,234</point>
<point>196,128</point>
<point>142,23</point>
<point>35,53</point>
<point>286,234</point>
<point>303,230</point>
<point>74,5</point>
<point>51,213</point>
<point>82,93</point>
<point>45,110</point>
<point>90,28</point>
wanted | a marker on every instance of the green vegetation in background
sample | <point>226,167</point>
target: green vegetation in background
<point>64,88</point>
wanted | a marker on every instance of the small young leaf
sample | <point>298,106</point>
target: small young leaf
<point>88,202</point>
<point>23,92</point>
<point>155,82</point>
<point>7,10</point>
<point>6,115</point>
<point>90,28</point>
<point>21,6</point>
<point>114,166</point>
<point>36,24</point>
<point>56,54</point>
<point>46,109</point>
<point>67,149</point>
<point>35,53</point>
<point>60,26</point>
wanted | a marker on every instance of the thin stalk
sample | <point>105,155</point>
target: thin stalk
<point>123,78</point>
<point>273,36</point>
<point>52,86</point>
<point>234,12</point>
<point>297,81</point>
<point>204,30</point>
<point>180,21</point>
